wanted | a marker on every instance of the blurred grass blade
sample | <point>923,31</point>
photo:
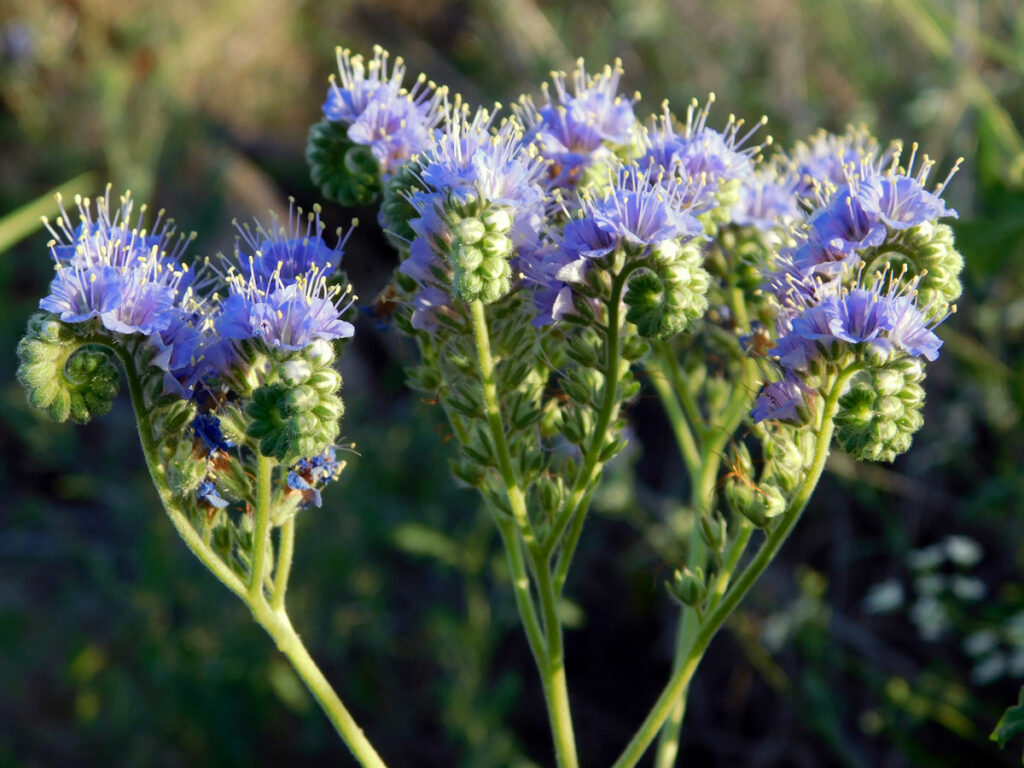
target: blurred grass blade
<point>22,222</point>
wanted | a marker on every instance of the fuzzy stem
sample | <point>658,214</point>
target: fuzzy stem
<point>280,628</point>
<point>261,532</point>
<point>285,550</point>
<point>548,653</point>
<point>702,499</point>
<point>588,471</point>
<point>716,618</point>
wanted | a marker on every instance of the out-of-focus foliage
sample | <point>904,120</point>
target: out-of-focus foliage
<point>118,649</point>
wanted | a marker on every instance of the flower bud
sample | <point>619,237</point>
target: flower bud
<point>61,376</point>
<point>345,172</point>
<point>714,531</point>
<point>927,250</point>
<point>689,587</point>
<point>881,411</point>
<point>497,220</point>
<point>670,295</point>
<point>470,231</point>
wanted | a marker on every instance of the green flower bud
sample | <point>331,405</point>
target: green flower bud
<point>293,420</point>
<point>61,376</point>
<point>346,172</point>
<point>470,231</point>
<point>497,220</point>
<point>670,296</point>
<point>497,246</point>
<point>689,587</point>
<point>881,411</point>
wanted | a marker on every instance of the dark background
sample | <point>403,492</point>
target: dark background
<point>116,648</point>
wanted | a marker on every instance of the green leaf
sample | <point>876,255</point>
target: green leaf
<point>1011,723</point>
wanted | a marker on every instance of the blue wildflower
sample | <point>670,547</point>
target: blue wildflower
<point>208,436</point>
<point>784,400</point>
<point>899,198</point>
<point>639,211</point>
<point>315,471</point>
<point>767,201</point>
<point>700,155</point>
<point>78,294</point>
<point>208,495</point>
<point>823,161</point>
<point>107,267</point>
<point>394,122</point>
<point>571,129</point>
<point>287,250</point>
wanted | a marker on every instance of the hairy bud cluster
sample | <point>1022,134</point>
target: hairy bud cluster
<point>345,171</point>
<point>480,253</point>
<point>61,375</point>
<point>296,412</point>
<point>671,296</point>
<point>881,411</point>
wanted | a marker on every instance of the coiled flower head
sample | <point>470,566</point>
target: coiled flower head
<point>880,413</point>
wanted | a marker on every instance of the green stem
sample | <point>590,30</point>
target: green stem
<point>181,524</point>
<point>713,621</point>
<point>668,358</point>
<point>587,474</point>
<point>261,531</point>
<point>276,623</point>
<point>568,549</point>
<point>280,628</point>
<point>284,563</point>
<point>673,410</point>
<point>508,475</point>
<point>548,652</point>
<point>702,478</point>
<point>521,587</point>
<point>556,689</point>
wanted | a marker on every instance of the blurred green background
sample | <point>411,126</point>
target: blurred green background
<point>874,641</point>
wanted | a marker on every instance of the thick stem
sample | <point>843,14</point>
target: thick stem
<point>587,474</point>
<point>702,500</point>
<point>713,622</point>
<point>261,531</point>
<point>284,563</point>
<point>547,652</point>
<point>279,627</point>
<point>556,689</point>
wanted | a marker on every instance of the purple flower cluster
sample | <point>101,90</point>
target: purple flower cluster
<point>573,130</point>
<point>394,122</point>
<point>639,212</point>
<point>109,267</point>
<point>701,157</point>
<point>828,301</point>
<point>278,289</point>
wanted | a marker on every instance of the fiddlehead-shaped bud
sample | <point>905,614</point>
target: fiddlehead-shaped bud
<point>61,375</point>
<point>671,295</point>
<point>345,171</point>
<point>880,413</point>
